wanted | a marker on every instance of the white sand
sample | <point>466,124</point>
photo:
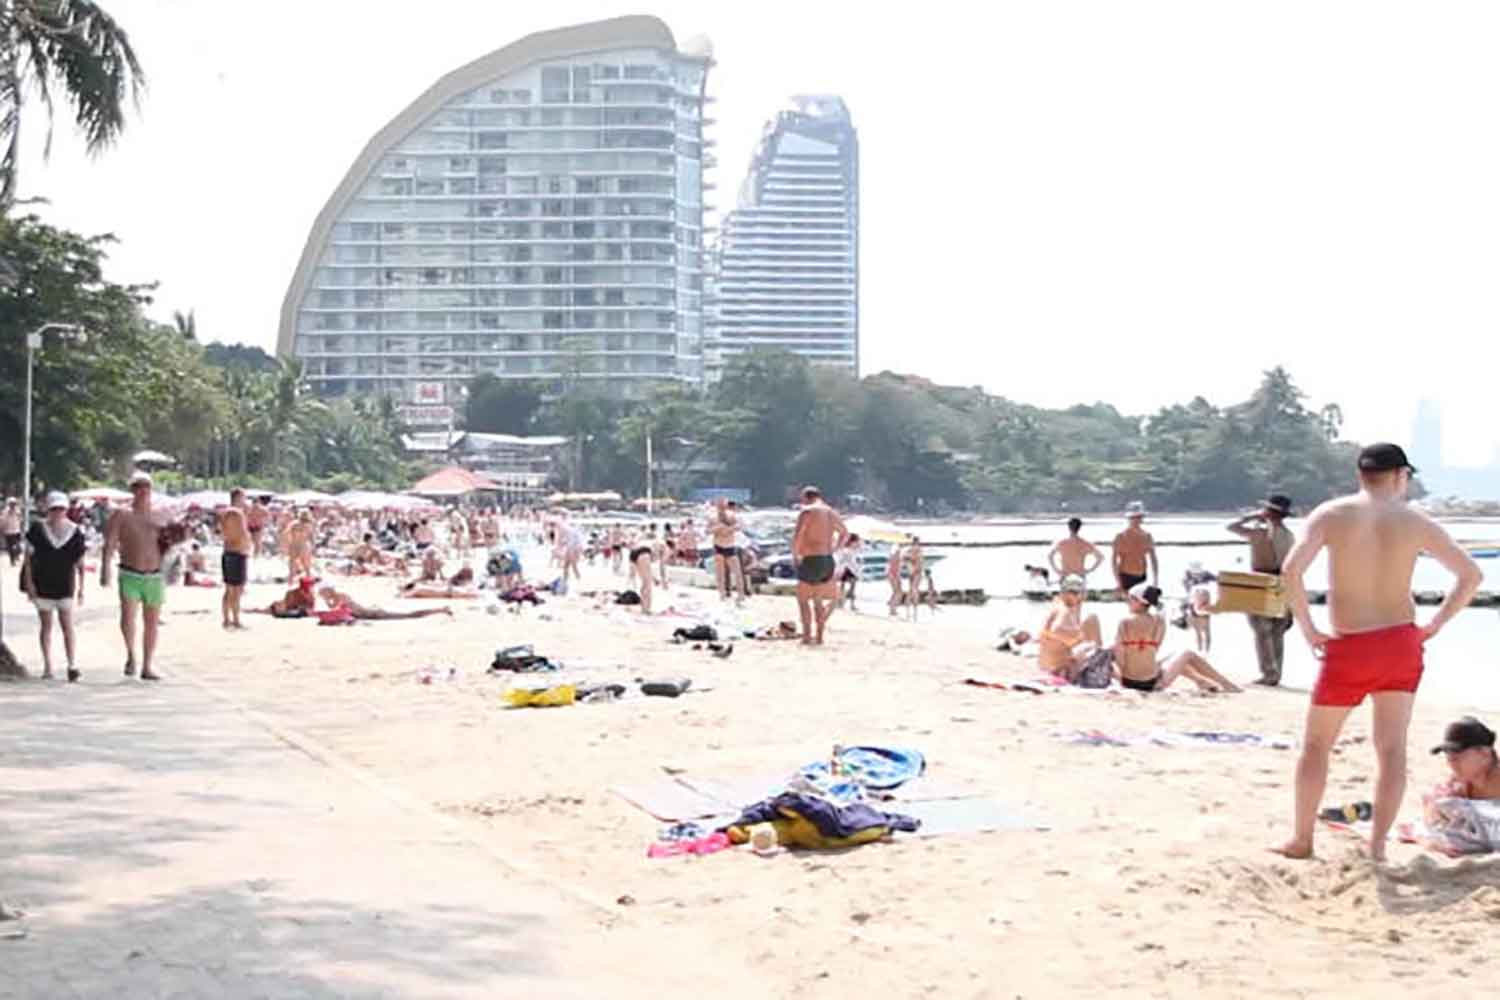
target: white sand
<point>1153,880</point>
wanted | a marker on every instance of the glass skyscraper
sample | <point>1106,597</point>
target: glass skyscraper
<point>786,267</point>
<point>536,214</point>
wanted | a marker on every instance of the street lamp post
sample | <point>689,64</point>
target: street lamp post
<point>33,344</point>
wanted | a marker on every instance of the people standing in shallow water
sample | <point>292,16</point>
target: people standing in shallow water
<point>1138,660</point>
<point>1373,540</point>
<point>1133,552</point>
<point>1074,556</point>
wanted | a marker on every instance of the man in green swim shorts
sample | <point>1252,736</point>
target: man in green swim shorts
<point>142,589</point>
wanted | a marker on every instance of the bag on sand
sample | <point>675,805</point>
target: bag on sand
<point>1098,670</point>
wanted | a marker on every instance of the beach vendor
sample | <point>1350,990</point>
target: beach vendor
<point>1270,541</point>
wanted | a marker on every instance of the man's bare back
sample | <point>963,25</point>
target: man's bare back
<point>1072,555</point>
<point>137,540</point>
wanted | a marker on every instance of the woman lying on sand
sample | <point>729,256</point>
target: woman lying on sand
<point>1469,746</point>
<point>298,602</point>
<point>1067,637</point>
<point>337,599</point>
<point>1138,644</point>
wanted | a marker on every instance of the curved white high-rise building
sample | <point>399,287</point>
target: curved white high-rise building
<point>786,272</point>
<point>537,213</point>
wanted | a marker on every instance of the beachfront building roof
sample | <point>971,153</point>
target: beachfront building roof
<point>537,213</point>
<point>521,463</point>
<point>785,273</point>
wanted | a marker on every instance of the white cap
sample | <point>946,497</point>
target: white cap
<point>1135,509</point>
<point>1073,583</point>
<point>138,477</point>
<point>1138,593</point>
<point>56,500</point>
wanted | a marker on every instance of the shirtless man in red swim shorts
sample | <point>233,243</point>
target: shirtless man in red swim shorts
<point>1373,540</point>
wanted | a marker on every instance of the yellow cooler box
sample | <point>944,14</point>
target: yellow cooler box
<point>1251,594</point>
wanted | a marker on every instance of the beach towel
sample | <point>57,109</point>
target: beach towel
<point>880,768</point>
<point>1169,738</point>
<point>1457,826</point>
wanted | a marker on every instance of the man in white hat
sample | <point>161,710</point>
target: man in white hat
<point>53,572</point>
<point>1133,550</point>
<point>137,537</point>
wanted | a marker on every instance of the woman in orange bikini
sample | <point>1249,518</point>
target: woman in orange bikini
<point>1068,637</point>
<point>1138,644</point>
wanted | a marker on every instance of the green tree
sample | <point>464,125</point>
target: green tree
<point>86,414</point>
<point>772,395</point>
<point>502,406</point>
<point>62,48</point>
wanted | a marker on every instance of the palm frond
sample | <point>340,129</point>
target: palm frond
<point>76,44</point>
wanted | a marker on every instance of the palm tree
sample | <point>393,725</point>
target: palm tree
<point>291,412</point>
<point>186,324</point>
<point>71,47</point>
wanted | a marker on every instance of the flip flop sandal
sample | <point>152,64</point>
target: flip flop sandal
<point>73,675</point>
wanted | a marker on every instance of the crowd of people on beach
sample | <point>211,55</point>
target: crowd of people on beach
<point>1372,537</point>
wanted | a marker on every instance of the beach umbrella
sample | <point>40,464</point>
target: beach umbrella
<point>453,481</point>
<point>876,530</point>
<point>207,499</point>
<point>376,500</point>
<point>303,498</point>
<point>102,493</point>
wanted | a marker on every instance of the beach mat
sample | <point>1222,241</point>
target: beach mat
<point>735,792</point>
<point>947,817</point>
<point>672,801</point>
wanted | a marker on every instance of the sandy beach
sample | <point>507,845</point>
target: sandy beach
<point>1143,873</point>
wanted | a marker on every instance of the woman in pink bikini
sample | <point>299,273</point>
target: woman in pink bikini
<point>1137,650</point>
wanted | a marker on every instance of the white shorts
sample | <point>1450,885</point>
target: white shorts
<point>54,603</point>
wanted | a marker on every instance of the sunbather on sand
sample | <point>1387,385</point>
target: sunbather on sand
<point>1067,637</point>
<point>1138,644</point>
<point>337,599</point>
<point>298,602</point>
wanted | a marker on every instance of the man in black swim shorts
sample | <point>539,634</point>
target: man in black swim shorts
<point>820,532</point>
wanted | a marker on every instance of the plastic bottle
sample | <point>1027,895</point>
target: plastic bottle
<point>834,767</point>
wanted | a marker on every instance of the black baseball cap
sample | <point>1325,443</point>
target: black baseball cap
<point>1279,502</point>
<point>1465,734</point>
<point>1384,457</point>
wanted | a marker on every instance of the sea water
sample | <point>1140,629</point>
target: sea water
<point>1463,662</point>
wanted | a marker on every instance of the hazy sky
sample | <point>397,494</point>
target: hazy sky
<point>1062,201</point>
